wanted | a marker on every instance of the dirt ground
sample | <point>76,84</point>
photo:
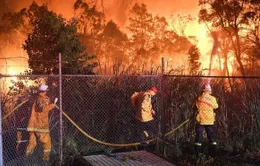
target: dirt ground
<point>221,158</point>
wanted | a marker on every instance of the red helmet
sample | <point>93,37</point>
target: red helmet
<point>154,89</point>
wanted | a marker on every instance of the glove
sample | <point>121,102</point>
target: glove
<point>55,100</point>
<point>153,112</point>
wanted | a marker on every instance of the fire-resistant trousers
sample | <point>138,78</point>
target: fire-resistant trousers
<point>21,141</point>
<point>146,130</point>
<point>45,139</point>
<point>199,136</point>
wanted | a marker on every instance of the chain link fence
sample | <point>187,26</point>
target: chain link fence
<point>104,111</point>
<point>18,93</point>
<point>236,119</point>
<point>98,115</point>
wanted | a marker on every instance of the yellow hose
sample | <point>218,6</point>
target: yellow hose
<point>102,142</point>
<point>118,145</point>
<point>96,140</point>
<point>183,123</point>
<point>15,109</point>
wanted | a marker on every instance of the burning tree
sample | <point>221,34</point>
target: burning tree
<point>194,56</point>
<point>50,36</point>
<point>234,17</point>
<point>252,39</point>
<point>150,38</point>
<point>105,40</point>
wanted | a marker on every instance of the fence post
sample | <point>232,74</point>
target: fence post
<point>161,108</point>
<point>163,66</point>
<point>162,95</point>
<point>60,106</point>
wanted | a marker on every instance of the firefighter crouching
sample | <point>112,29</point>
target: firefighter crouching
<point>206,103</point>
<point>38,126</point>
<point>142,101</point>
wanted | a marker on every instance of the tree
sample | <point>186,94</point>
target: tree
<point>224,48</point>
<point>13,29</point>
<point>50,36</point>
<point>194,56</point>
<point>105,40</point>
<point>114,46</point>
<point>179,23</point>
<point>148,37</point>
<point>252,44</point>
<point>141,27</point>
<point>227,15</point>
<point>90,24</point>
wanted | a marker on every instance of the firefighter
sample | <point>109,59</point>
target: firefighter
<point>206,103</point>
<point>142,101</point>
<point>38,126</point>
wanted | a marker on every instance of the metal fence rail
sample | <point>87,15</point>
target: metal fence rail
<point>237,118</point>
<point>98,115</point>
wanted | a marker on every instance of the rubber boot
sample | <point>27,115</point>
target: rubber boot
<point>198,150</point>
<point>212,150</point>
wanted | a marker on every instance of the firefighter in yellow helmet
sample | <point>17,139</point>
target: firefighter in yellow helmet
<point>142,101</point>
<point>38,126</point>
<point>206,103</point>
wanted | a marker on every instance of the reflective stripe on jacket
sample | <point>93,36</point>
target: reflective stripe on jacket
<point>206,104</point>
<point>144,107</point>
<point>39,121</point>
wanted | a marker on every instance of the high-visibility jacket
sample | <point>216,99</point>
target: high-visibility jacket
<point>143,104</point>
<point>206,104</point>
<point>39,121</point>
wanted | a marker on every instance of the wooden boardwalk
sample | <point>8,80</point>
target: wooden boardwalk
<point>133,158</point>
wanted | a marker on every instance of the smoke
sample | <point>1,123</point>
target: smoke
<point>114,9</point>
<point>59,6</point>
<point>168,7</point>
<point>117,10</point>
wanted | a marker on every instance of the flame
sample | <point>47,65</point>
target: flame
<point>11,80</point>
<point>218,64</point>
<point>117,10</point>
<point>204,44</point>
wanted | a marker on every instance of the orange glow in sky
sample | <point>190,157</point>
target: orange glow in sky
<point>117,10</point>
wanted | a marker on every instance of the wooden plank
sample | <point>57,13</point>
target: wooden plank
<point>133,158</point>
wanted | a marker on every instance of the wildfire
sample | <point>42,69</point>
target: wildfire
<point>218,64</point>
<point>204,43</point>
<point>12,72</point>
<point>201,32</point>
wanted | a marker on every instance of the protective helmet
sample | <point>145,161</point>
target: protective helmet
<point>43,88</point>
<point>154,89</point>
<point>207,88</point>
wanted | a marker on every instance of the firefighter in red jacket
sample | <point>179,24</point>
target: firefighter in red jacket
<point>38,126</point>
<point>142,101</point>
<point>206,103</point>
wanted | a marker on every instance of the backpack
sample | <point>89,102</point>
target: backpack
<point>134,98</point>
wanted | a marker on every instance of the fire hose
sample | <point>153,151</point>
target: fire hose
<point>99,141</point>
